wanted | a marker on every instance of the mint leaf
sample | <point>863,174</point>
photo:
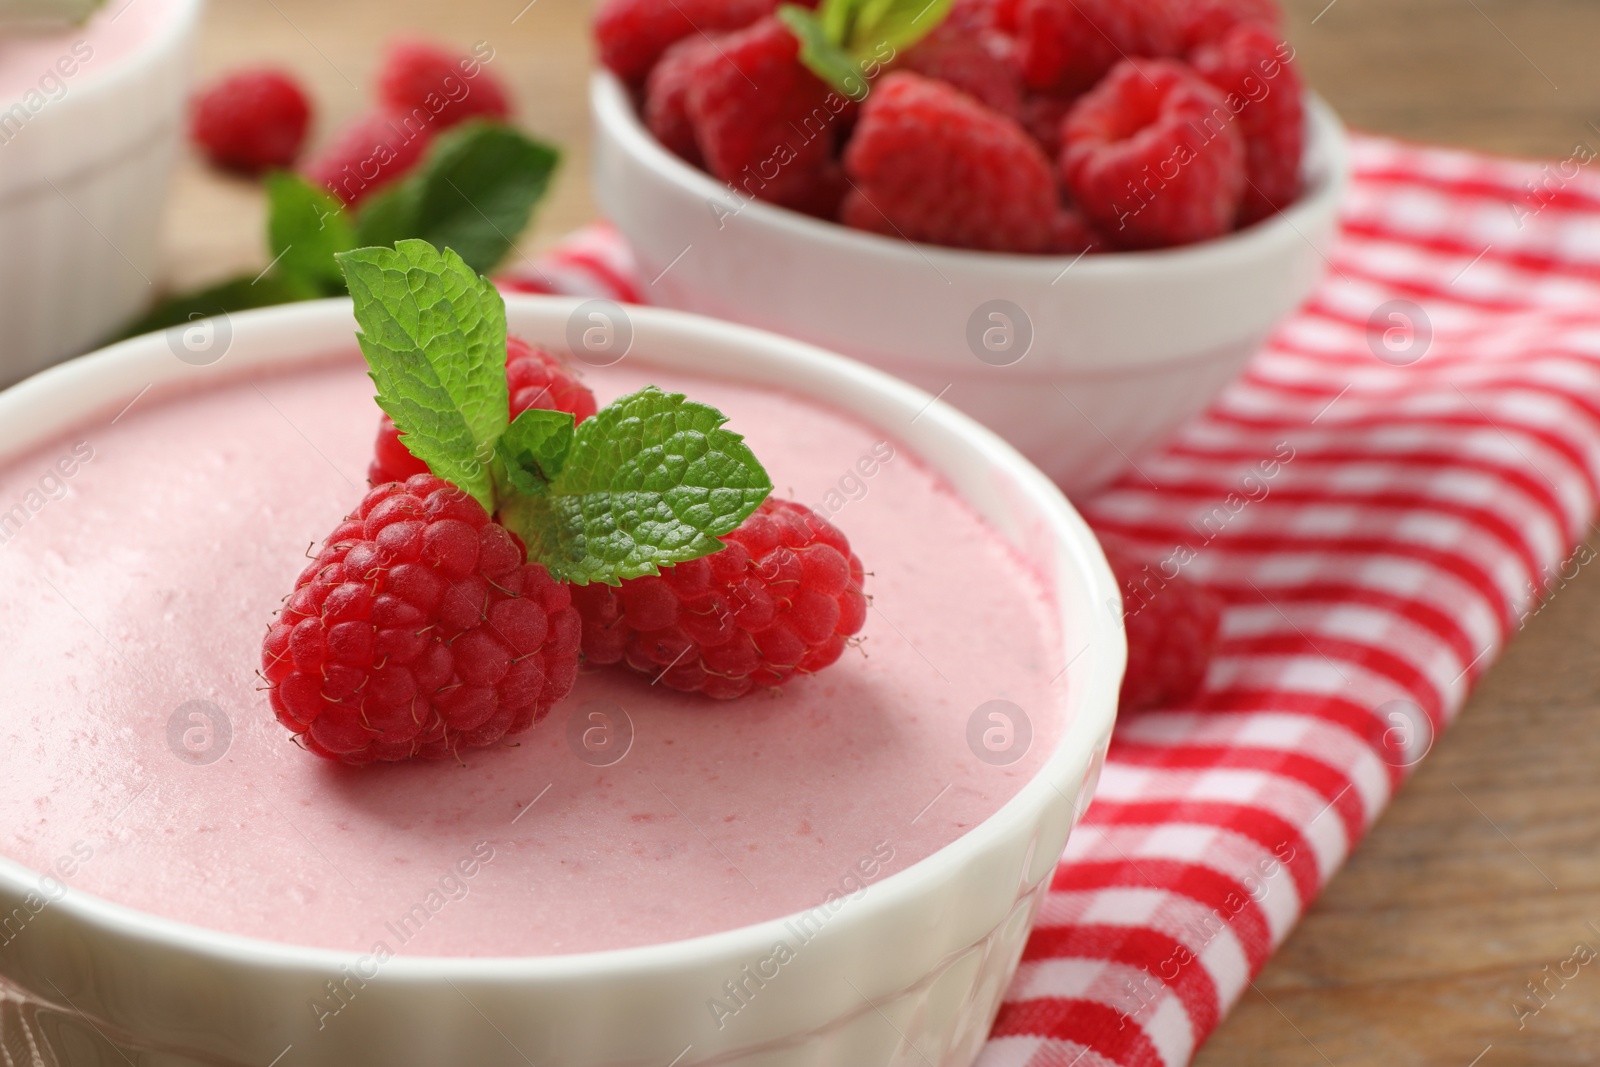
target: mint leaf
<point>306,228</point>
<point>821,53</point>
<point>236,294</point>
<point>898,24</point>
<point>652,480</point>
<point>534,449</point>
<point>842,39</point>
<point>474,193</point>
<point>434,335</point>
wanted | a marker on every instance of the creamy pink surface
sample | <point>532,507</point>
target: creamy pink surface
<point>36,68</point>
<point>150,582</point>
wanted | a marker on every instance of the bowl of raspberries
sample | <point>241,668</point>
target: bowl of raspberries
<point>1074,219</point>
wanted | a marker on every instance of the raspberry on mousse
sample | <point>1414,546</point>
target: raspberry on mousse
<point>419,630</point>
<point>782,599</point>
<point>537,380</point>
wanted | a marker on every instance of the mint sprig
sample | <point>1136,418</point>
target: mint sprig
<point>651,481</point>
<point>842,40</point>
<point>474,191</point>
<point>474,194</point>
<point>306,227</point>
<point>434,334</point>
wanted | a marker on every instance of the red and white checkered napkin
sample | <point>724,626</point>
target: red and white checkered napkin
<point>1379,527</point>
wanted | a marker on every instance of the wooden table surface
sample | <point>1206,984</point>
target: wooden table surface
<point>1423,945</point>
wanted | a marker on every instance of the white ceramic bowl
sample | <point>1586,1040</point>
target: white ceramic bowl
<point>82,184</point>
<point>1124,347</point>
<point>932,948</point>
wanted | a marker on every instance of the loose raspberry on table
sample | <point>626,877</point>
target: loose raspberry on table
<point>251,121</point>
<point>633,34</point>
<point>1153,157</point>
<point>781,600</point>
<point>766,124</point>
<point>420,630</point>
<point>1173,626</point>
<point>1249,66</point>
<point>538,380</point>
<point>930,163</point>
<point>370,152</point>
<point>419,76</point>
<point>1067,46</point>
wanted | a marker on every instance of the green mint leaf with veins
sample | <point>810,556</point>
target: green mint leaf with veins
<point>652,480</point>
<point>821,53</point>
<point>843,40</point>
<point>434,336</point>
<point>474,192</point>
<point>533,450</point>
<point>306,227</point>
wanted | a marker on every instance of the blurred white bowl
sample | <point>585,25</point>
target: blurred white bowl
<point>1080,363</point>
<point>909,972</point>
<point>83,179</point>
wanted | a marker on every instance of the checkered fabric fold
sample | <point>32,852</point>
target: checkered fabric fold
<point>1382,498</point>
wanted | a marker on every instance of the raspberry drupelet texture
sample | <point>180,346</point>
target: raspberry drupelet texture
<point>781,600</point>
<point>251,121</point>
<point>538,380</point>
<point>930,163</point>
<point>969,52</point>
<point>1172,625</point>
<point>1066,46</point>
<point>766,124</point>
<point>419,631</point>
<point>633,34</point>
<point>418,75</point>
<point>1153,157</point>
<point>1256,72</point>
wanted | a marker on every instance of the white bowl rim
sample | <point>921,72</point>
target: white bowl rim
<point>1327,160</point>
<point>1101,675</point>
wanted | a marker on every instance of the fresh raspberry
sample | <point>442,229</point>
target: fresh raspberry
<point>373,150</point>
<point>966,51</point>
<point>251,121</point>
<point>1172,626</point>
<point>1067,46</point>
<point>633,34</point>
<point>766,125</point>
<point>1042,116</point>
<point>1207,21</point>
<point>782,599</point>
<point>1005,14</point>
<point>930,163</point>
<point>1073,234</point>
<point>420,630</point>
<point>537,379</point>
<point>1265,90</point>
<point>666,96</point>
<point>1154,158</point>
<point>418,76</point>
